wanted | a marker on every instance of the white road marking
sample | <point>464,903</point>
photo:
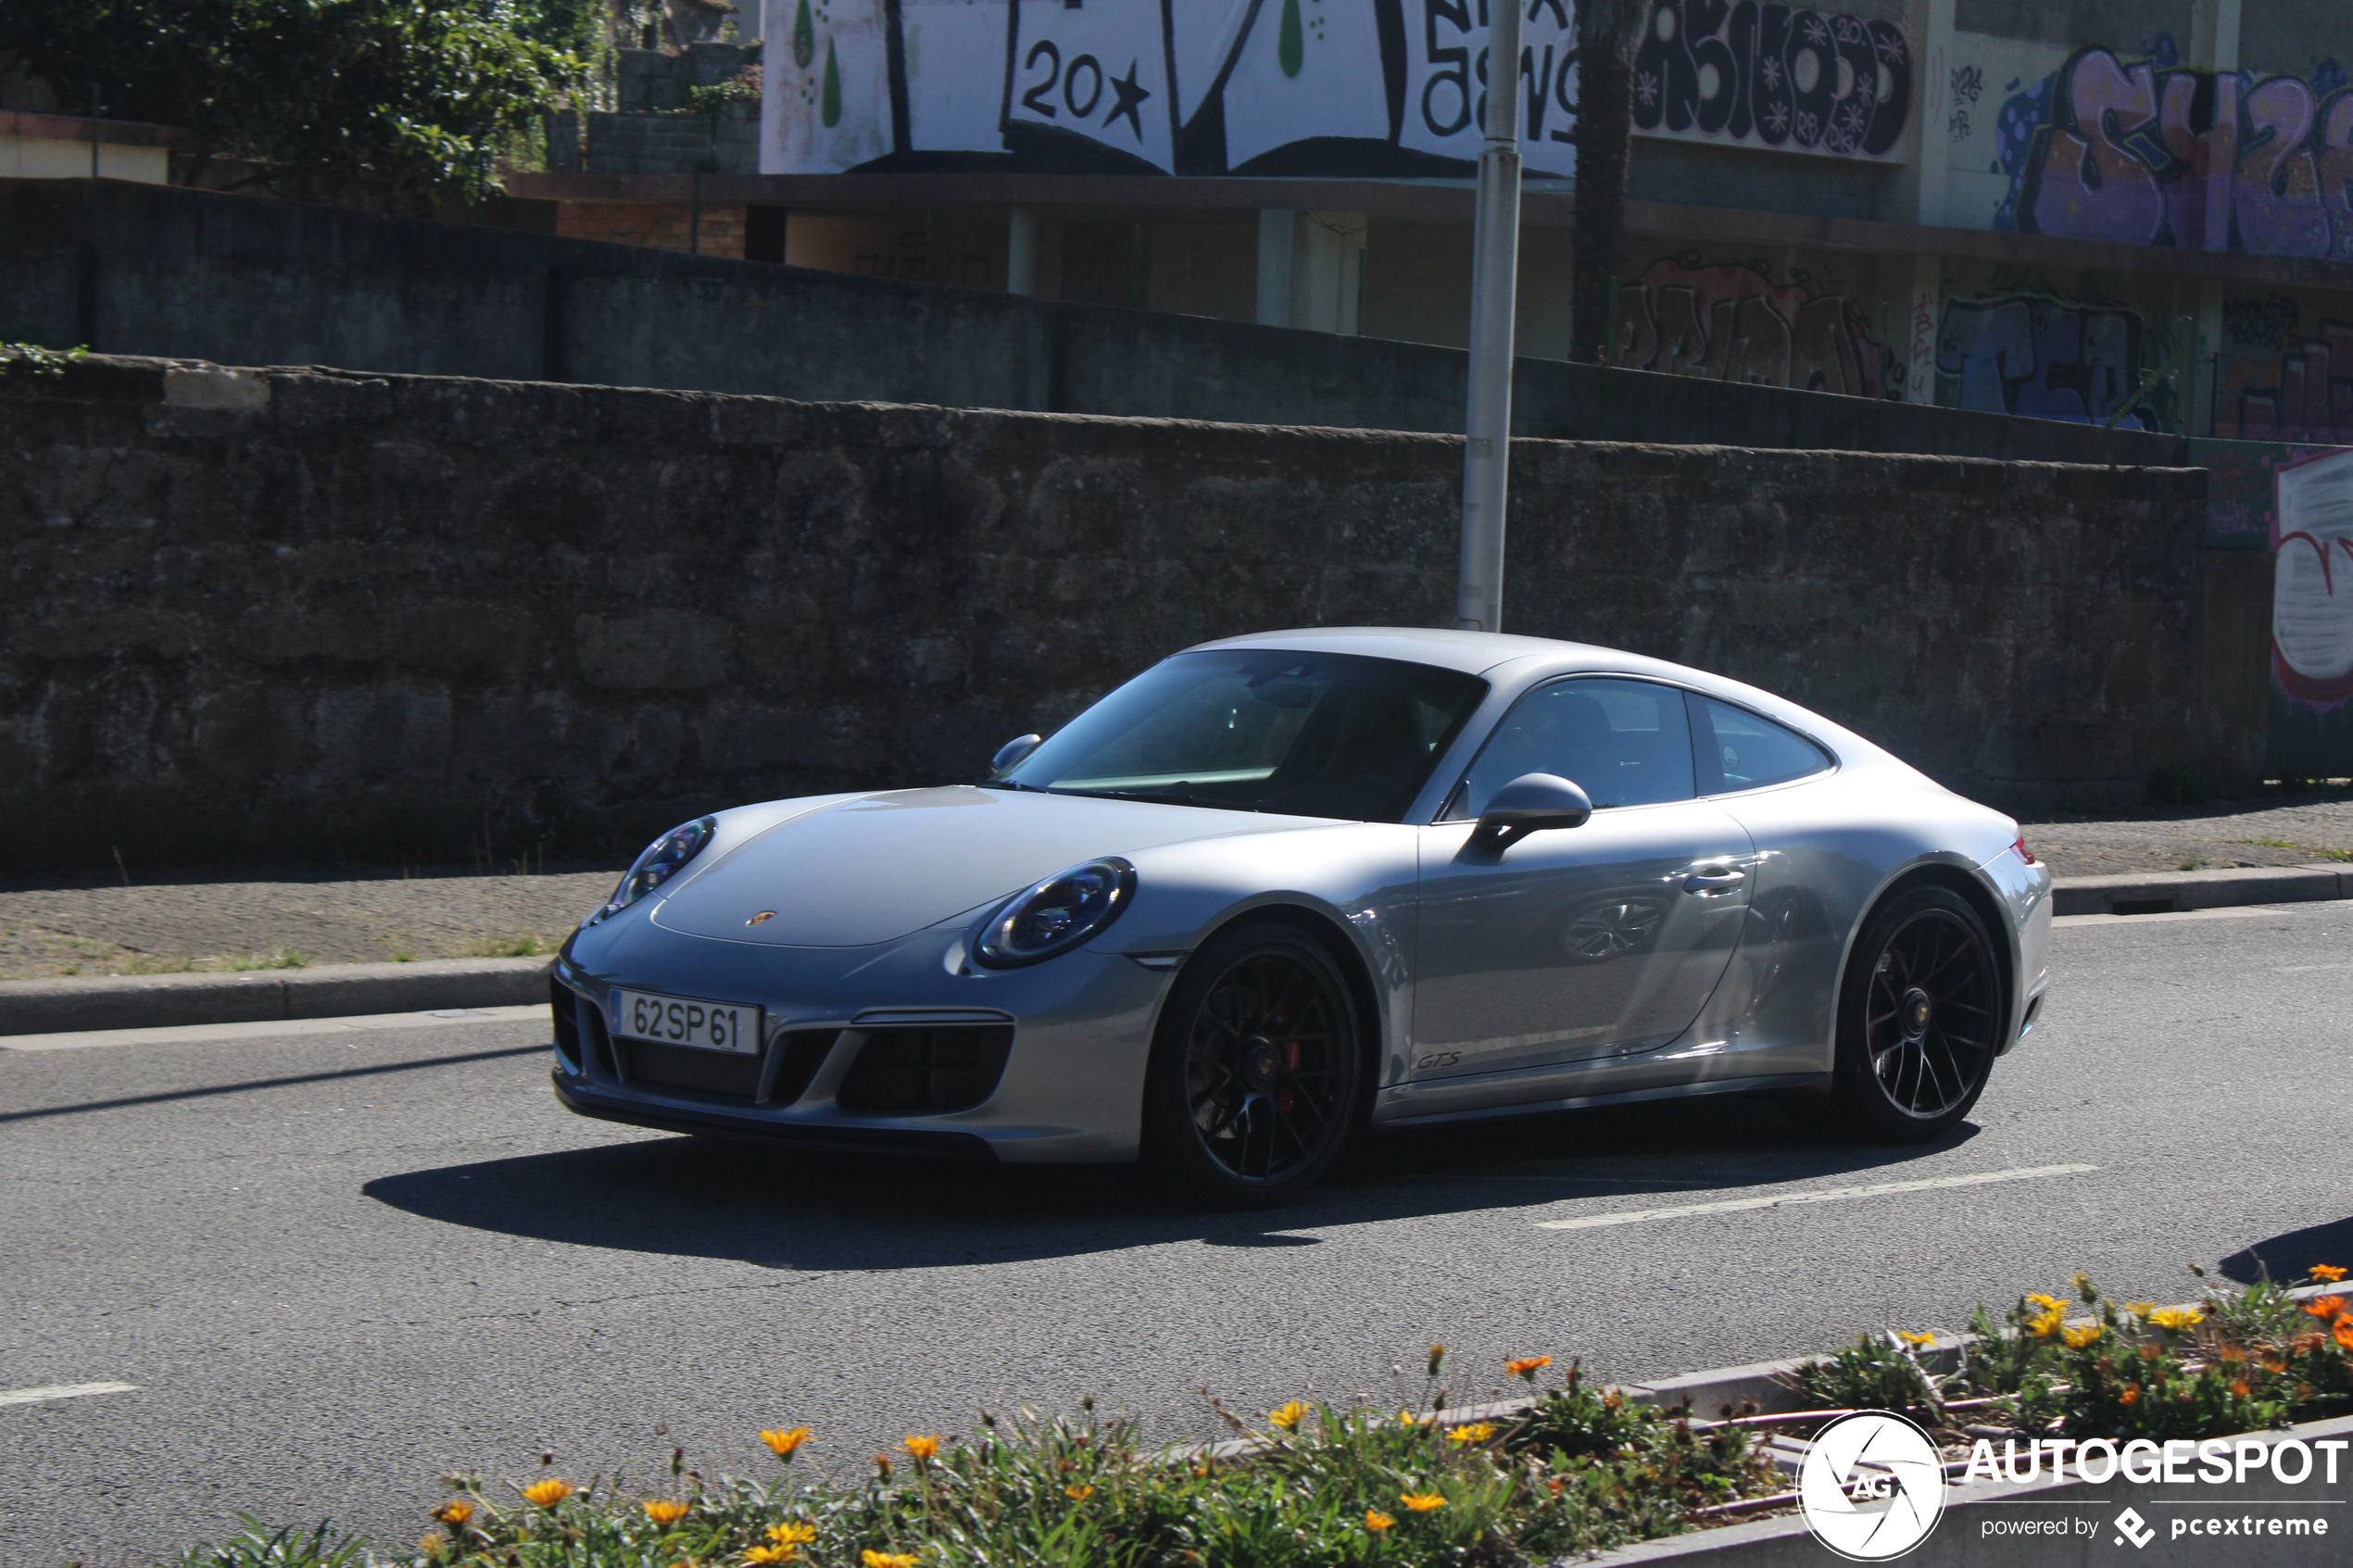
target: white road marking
<point>1824,1194</point>
<point>200,1033</point>
<point>63,1391</point>
<point>2310,968</point>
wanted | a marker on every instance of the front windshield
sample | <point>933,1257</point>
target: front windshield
<point>1305,735</point>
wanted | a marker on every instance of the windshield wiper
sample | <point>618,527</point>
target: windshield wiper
<point>1010,784</point>
<point>1163,797</point>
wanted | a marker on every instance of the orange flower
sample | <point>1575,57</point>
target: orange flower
<point>2325,1307</point>
<point>548,1493</point>
<point>1421,1502</point>
<point>2327,1274</point>
<point>456,1511</point>
<point>921,1448</point>
<point>783,1443</point>
<point>1376,1521</point>
<point>2239,1389</point>
<point>662,1510</point>
<point>882,1466</point>
<point>1528,1367</point>
<point>1437,1358</point>
<point>2131,1395</point>
<point>2343,1334</point>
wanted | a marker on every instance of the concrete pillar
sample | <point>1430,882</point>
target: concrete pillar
<point>2203,390</point>
<point>1922,310</point>
<point>1328,272</point>
<point>2214,34</point>
<point>1277,247</point>
<point>1021,251</point>
<point>1929,159</point>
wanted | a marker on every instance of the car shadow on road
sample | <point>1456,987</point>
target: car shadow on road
<point>2288,1257</point>
<point>777,1209</point>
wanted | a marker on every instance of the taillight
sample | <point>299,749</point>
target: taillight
<point>2023,852</point>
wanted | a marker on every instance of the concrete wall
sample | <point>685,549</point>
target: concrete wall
<point>140,270</point>
<point>296,613</point>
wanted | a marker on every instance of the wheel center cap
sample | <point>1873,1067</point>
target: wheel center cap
<point>1916,1011</point>
<point>1260,1062</point>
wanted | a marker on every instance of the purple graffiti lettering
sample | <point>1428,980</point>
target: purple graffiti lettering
<point>2311,396</point>
<point>2149,153</point>
<point>2043,357</point>
<point>1773,76</point>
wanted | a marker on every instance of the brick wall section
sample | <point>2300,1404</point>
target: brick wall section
<point>296,613</point>
<point>660,224</point>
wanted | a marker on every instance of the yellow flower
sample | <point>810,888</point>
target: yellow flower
<point>1288,1416</point>
<point>1477,1432</point>
<point>430,1543</point>
<point>2077,1335</point>
<point>872,1558</point>
<point>1078,1494</point>
<point>2175,1319</point>
<point>797,1533</point>
<point>2140,1309</point>
<point>1526,1367</point>
<point>455,1513</point>
<point>2049,1303</point>
<point>1376,1521</point>
<point>1920,1340</point>
<point>2327,1274</point>
<point>1407,1417</point>
<point>921,1448</point>
<point>548,1493</point>
<point>662,1510</point>
<point>783,1443</point>
<point>767,1554</point>
<point>1421,1502</point>
<point>2043,1324</point>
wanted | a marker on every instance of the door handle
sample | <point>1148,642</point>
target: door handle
<point>1706,881</point>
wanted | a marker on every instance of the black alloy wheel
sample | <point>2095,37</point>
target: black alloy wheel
<point>1256,1073</point>
<point>1920,1017</point>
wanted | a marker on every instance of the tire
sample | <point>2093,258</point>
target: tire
<point>1920,1019</point>
<point>1258,1077</point>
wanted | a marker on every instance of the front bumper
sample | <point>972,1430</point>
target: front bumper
<point>1071,1089</point>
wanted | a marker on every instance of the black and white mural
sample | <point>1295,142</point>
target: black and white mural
<point>1271,87</point>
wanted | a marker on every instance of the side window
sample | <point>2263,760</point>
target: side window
<point>1739,750</point>
<point>1624,743</point>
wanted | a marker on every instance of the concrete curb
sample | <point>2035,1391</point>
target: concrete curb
<point>155,1001</point>
<point>2150,893</point>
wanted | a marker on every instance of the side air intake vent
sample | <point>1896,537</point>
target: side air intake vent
<point>924,1071</point>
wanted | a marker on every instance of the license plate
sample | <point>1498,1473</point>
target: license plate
<point>685,1020</point>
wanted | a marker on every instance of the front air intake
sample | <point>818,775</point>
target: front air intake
<point>925,1071</point>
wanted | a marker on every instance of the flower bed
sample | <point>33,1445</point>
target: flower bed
<point>1567,1468</point>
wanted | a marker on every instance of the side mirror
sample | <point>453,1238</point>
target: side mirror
<point>1528,804</point>
<point>1013,751</point>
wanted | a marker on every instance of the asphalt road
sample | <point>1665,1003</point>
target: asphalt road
<point>334,1265</point>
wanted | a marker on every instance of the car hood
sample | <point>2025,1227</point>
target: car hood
<point>884,866</point>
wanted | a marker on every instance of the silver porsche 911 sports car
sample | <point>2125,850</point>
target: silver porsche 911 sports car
<point>1280,889</point>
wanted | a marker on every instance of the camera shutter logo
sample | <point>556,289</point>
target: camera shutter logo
<point>1871,1486</point>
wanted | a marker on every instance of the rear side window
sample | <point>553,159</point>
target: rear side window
<point>1737,749</point>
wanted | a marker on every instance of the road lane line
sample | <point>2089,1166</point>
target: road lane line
<point>63,1391</point>
<point>1825,1195</point>
<point>262,1029</point>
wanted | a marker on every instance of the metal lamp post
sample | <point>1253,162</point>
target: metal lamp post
<point>1478,596</point>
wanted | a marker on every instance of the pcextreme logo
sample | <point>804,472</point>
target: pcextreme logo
<point>1871,1486</point>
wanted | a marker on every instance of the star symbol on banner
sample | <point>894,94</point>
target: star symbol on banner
<point>1131,98</point>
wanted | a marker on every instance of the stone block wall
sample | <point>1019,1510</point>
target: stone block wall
<point>280,614</point>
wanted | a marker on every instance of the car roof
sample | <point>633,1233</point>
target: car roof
<point>1473,653</point>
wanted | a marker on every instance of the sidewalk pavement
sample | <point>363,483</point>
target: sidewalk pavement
<point>244,940</point>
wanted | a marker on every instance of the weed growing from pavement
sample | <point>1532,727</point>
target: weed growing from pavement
<point>1580,1469</point>
<point>2083,1366</point>
<point>2317,852</point>
<point>276,958</point>
<point>525,946</point>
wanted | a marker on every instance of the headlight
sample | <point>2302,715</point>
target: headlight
<point>1057,914</point>
<point>660,860</point>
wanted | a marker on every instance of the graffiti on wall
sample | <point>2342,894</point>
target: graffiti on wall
<point>1338,88</point>
<point>1730,322</point>
<point>1773,76</point>
<point>2048,358</point>
<point>2149,152</point>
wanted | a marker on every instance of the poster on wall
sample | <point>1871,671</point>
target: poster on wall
<point>1312,88</point>
<point>2312,616</point>
<point>1775,77</point>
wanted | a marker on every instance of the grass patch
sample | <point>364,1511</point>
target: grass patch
<point>527,947</point>
<point>2313,849</point>
<point>276,958</point>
